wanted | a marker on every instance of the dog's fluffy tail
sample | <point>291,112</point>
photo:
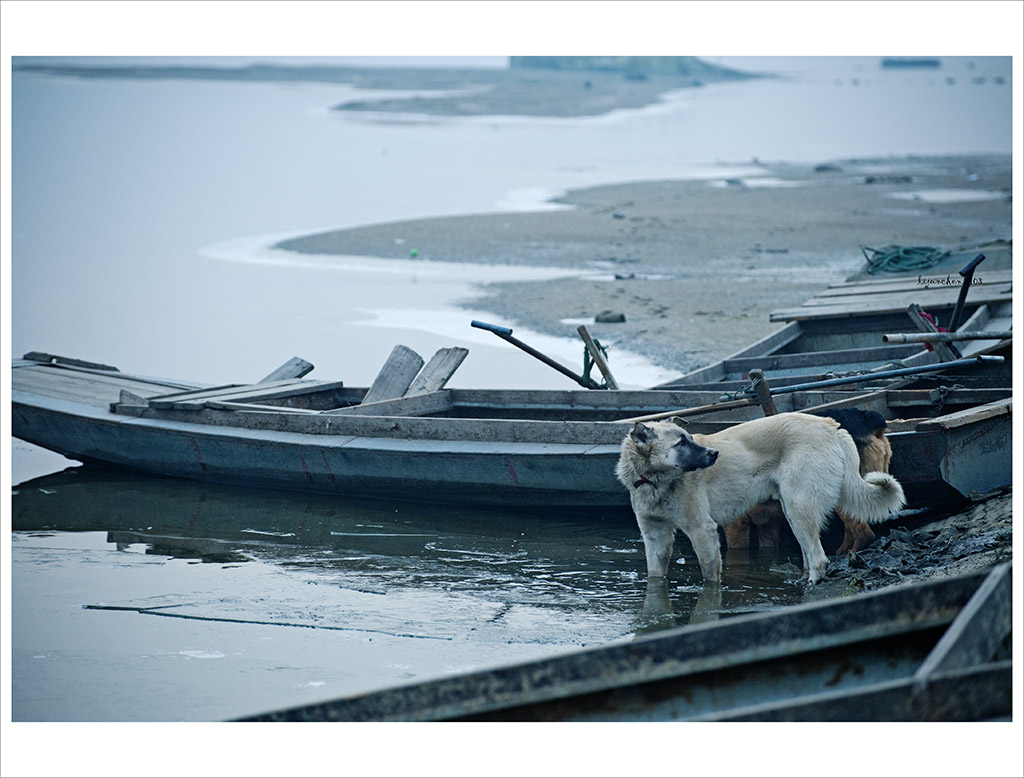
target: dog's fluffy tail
<point>871,499</point>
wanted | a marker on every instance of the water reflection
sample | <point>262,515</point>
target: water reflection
<point>755,580</point>
<point>581,569</point>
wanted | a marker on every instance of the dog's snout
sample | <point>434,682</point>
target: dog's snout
<point>712,455</point>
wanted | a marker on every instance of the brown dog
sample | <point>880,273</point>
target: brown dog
<point>867,428</point>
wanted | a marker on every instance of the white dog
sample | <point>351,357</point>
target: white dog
<point>697,482</point>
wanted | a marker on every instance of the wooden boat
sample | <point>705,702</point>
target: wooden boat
<point>934,651</point>
<point>438,445</point>
<point>841,330</point>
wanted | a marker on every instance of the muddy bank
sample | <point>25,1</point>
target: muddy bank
<point>975,538</point>
<point>696,266</point>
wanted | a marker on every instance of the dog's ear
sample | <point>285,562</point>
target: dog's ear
<point>641,434</point>
<point>679,421</point>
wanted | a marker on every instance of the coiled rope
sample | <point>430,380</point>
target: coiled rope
<point>898,259</point>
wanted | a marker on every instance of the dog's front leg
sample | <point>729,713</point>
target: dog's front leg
<point>703,535</point>
<point>658,536</point>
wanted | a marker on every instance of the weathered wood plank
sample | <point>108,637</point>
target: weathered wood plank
<point>115,375</point>
<point>771,342</point>
<point>97,390</point>
<point>296,367</point>
<point>973,694</point>
<point>826,359</point>
<point>220,393</point>
<point>182,394</point>
<point>977,632</point>
<point>717,371</point>
<point>930,298</point>
<point>415,405</point>
<point>130,398</point>
<point>982,294</point>
<point>872,401</point>
<point>553,433</point>
<point>946,352</point>
<point>41,356</point>
<point>763,392</point>
<point>226,405</point>
<point>969,415</point>
<point>438,372</point>
<point>684,412</point>
<point>574,399</point>
<point>395,378</point>
<point>911,283</point>
<point>901,398</point>
<point>597,356</point>
<point>288,389</point>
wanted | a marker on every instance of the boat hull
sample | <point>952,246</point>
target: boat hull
<point>473,447</point>
<point>442,471</point>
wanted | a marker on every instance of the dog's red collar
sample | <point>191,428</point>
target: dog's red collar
<point>641,481</point>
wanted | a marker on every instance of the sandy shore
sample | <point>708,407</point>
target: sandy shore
<point>696,266</point>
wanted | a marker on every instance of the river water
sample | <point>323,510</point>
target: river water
<point>143,212</point>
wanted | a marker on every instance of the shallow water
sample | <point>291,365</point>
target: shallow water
<point>206,587</point>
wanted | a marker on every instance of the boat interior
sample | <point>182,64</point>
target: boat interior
<point>330,407</point>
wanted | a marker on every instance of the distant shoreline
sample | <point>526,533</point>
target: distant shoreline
<point>461,91</point>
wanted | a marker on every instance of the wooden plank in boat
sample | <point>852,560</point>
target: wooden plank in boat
<point>55,359</point>
<point>130,398</point>
<point>971,694</point>
<point>95,395</point>
<point>112,375</point>
<point>977,632</point>
<point>771,342</point>
<point>990,318</point>
<point>717,372</point>
<point>969,415</point>
<point>557,433</point>
<point>209,391</point>
<point>897,303</point>
<point>396,376</point>
<point>575,399</point>
<point>296,367</point>
<point>913,284</point>
<point>902,398</point>
<point>934,296</point>
<point>872,401</point>
<point>88,388</point>
<point>234,392</point>
<point>226,405</point>
<point>438,371</point>
<point>830,359</point>
<point>945,351</point>
<point>254,394</point>
<point>416,405</point>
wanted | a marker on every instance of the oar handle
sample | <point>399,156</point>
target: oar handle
<point>496,329</point>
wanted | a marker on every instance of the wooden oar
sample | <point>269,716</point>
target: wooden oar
<point>722,406</point>
<point>945,337</point>
<point>505,333</point>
